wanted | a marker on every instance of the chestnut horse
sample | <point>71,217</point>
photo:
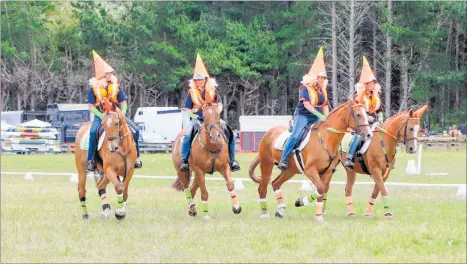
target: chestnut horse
<point>118,154</point>
<point>209,153</point>
<point>379,159</point>
<point>319,156</point>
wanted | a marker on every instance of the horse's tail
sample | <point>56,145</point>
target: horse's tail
<point>251,170</point>
<point>178,185</point>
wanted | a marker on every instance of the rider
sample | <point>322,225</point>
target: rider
<point>367,90</point>
<point>105,85</point>
<point>194,103</point>
<point>312,106</point>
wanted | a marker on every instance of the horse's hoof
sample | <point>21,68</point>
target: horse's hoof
<point>277,214</point>
<point>388,215</point>
<point>350,214</point>
<point>105,214</point>
<point>236,211</point>
<point>319,218</point>
<point>192,214</point>
<point>85,216</point>
<point>264,216</point>
<point>367,214</point>
<point>298,202</point>
<point>119,217</point>
<point>207,218</point>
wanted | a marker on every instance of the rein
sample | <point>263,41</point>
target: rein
<point>207,128</point>
<point>119,138</point>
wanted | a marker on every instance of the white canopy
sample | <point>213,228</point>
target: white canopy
<point>36,123</point>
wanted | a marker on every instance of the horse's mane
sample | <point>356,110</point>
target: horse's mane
<point>396,116</point>
<point>339,107</point>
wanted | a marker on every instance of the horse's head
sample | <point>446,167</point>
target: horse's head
<point>410,131</point>
<point>112,123</point>
<point>358,120</point>
<point>211,123</point>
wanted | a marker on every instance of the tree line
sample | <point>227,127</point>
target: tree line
<point>257,51</point>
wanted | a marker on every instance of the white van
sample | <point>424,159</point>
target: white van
<point>165,121</point>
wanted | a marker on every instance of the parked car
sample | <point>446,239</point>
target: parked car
<point>150,142</point>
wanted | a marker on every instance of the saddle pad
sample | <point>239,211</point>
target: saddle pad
<point>279,143</point>
<point>84,144</point>
<point>345,143</point>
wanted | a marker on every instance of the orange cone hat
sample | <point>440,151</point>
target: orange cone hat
<point>367,74</point>
<point>100,66</point>
<point>419,112</point>
<point>318,68</point>
<point>200,71</point>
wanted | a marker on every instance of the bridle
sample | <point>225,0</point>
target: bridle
<point>352,114</point>
<point>119,137</point>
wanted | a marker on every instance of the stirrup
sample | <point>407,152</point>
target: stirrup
<point>282,166</point>
<point>90,166</point>
<point>348,163</point>
<point>138,164</point>
<point>234,166</point>
<point>184,166</point>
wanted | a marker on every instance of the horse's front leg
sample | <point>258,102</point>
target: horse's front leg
<point>312,173</point>
<point>204,192</point>
<point>119,188</point>
<point>101,186</point>
<point>351,177</point>
<point>126,183</point>
<point>236,208</point>
<point>379,187</point>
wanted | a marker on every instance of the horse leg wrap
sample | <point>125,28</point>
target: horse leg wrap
<point>189,199</point>
<point>279,198</point>
<point>369,208</point>
<point>205,207</point>
<point>319,208</point>
<point>104,198</point>
<point>84,209</point>
<point>120,201</point>
<point>307,200</point>
<point>348,201</point>
<point>325,199</point>
<point>234,198</point>
<point>386,205</point>
<point>264,206</point>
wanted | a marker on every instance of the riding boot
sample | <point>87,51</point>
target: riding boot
<point>283,165</point>
<point>184,166</point>
<point>353,148</point>
<point>90,166</point>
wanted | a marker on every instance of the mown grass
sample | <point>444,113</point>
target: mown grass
<point>41,223</point>
<point>41,219</point>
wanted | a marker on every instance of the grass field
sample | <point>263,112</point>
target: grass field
<point>41,219</point>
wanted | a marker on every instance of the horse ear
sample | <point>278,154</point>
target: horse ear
<point>411,113</point>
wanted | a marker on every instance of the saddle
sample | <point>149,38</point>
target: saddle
<point>302,141</point>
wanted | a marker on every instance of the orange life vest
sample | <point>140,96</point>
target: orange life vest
<point>314,98</point>
<point>111,93</point>
<point>372,104</point>
<point>198,102</point>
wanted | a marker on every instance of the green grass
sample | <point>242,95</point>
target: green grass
<point>41,220</point>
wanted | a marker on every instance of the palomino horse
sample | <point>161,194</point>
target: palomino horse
<point>118,157</point>
<point>209,153</point>
<point>379,159</point>
<point>319,156</point>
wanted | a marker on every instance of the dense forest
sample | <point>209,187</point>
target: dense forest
<point>257,51</point>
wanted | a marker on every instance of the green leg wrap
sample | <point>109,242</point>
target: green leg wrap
<point>312,197</point>
<point>205,207</point>
<point>189,199</point>
<point>325,198</point>
<point>119,201</point>
<point>84,209</point>
<point>386,202</point>
<point>264,206</point>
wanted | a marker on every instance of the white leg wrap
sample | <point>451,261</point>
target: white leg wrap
<point>305,201</point>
